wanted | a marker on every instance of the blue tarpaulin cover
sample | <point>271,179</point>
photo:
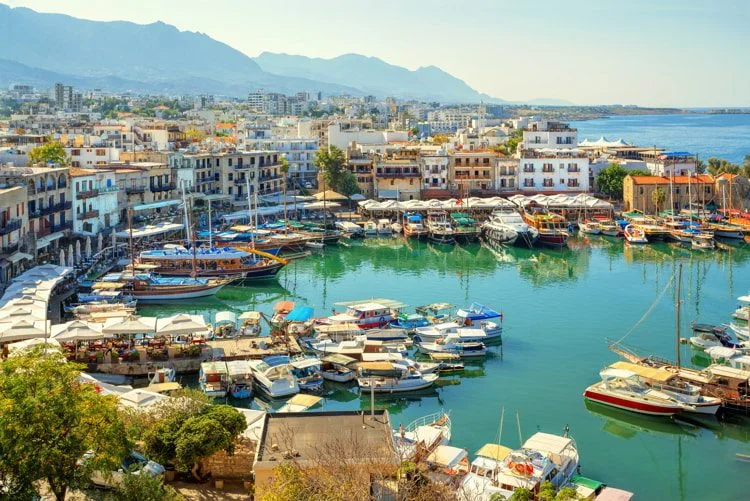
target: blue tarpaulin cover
<point>300,314</point>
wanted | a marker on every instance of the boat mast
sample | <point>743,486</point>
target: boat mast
<point>249,206</point>
<point>130,244</point>
<point>210,242</point>
<point>671,195</point>
<point>677,314</point>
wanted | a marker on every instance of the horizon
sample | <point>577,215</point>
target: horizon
<point>675,54</point>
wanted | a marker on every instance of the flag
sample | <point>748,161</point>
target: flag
<point>459,202</point>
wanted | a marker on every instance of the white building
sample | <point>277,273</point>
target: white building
<point>506,174</point>
<point>550,160</point>
<point>341,138</point>
<point>300,153</point>
<point>94,196</point>
<point>91,156</point>
<point>434,170</point>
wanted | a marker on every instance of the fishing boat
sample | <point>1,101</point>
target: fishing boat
<point>315,244</point>
<point>725,230</point>
<point>413,225</point>
<point>240,378</point>
<point>213,262</point>
<point>703,241</point>
<point>481,316</point>
<point>439,230</point>
<point>273,377</point>
<point>213,379</point>
<point>149,288</point>
<point>609,227</point>
<point>498,471</point>
<point>465,228</point>
<point>464,342</point>
<point>507,227</point>
<point>370,228</point>
<point>553,229</point>
<point>387,377</point>
<point>634,235</point>
<point>410,321</point>
<point>307,372</point>
<point>335,367</point>
<point>384,227</point>
<point>623,389</point>
<point>397,228</point>
<point>436,312</point>
<point>352,230</point>
<point>250,323</point>
<point>590,227</point>
<point>366,315</point>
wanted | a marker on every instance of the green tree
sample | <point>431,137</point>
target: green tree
<point>135,487</point>
<point>331,163</point>
<point>349,184</point>
<point>609,180</point>
<point>718,166</point>
<point>522,494</point>
<point>547,491</point>
<point>49,152</point>
<point>658,196</point>
<point>566,493</point>
<point>49,421</point>
<point>746,166</point>
<point>638,172</point>
<point>511,145</point>
<point>700,166</point>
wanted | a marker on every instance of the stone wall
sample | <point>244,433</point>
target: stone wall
<point>238,466</point>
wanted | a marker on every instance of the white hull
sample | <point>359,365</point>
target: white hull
<point>428,348</point>
<point>338,377</point>
<point>386,385</point>
<point>702,344</point>
<point>151,298</point>
<point>216,393</point>
<point>277,389</point>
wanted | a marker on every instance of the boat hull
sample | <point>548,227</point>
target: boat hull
<point>338,377</point>
<point>629,404</point>
<point>553,239</point>
<point>382,386</point>
<point>144,296</point>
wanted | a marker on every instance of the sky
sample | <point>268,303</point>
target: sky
<point>685,53</point>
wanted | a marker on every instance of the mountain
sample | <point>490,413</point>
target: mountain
<point>374,76</point>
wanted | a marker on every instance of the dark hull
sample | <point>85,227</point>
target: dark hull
<point>244,274</point>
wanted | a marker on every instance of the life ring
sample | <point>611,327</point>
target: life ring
<point>522,469</point>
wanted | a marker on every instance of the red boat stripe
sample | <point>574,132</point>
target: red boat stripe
<point>630,404</point>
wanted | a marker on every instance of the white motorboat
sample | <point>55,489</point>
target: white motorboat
<point>162,375</point>
<point>624,389</point>
<point>213,379</point>
<point>350,228</point>
<point>610,228</point>
<point>708,336</point>
<point>634,235</point>
<point>384,227</point>
<point>743,310</point>
<point>335,367</point>
<point>387,377</point>
<point>423,435</point>
<point>464,344</point>
<point>370,228</point>
<point>507,227</point>
<point>307,372</point>
<point>273,376</point>
<point>590,227</point>
<point>480,316</point>
<point>733,357</point>
<point>397,228</point>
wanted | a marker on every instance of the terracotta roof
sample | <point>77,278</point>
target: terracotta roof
<point>78,172</point>
<point>727,175</point>
<point>225,125</point>
<point>699,179</point>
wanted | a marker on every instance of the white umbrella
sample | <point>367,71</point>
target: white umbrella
<point>77,330</point>
<point>132,325</point>
<point>181,324</point>
<point>88,247</point>
<point>100,242</point>
<point>62,258</point>
<point>78,251</point>
<point>71,262</point>
<point>21,330</point>
<point>20,347</point>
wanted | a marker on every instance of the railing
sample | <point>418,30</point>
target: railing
<point>162,187</point>
<point>205,180</point>
<point>269,178</point>
<point>87,194</point>
<point>11,225</point>
<point>240,180</point>
<point>574,169</point>
<point>548,169</point>
<point>63,206</point>
<point>573,184</point>
<point>399,174</point>
<point>47,210</point>
<point>527,184</point>
<point>135,189</point>
<point>10,249</point>
<point>90,214</point>
<point>109,189</point>
<point>62,227</point>
<point>529,169</point>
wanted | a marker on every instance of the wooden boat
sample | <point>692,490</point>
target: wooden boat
<point>213,379</point>
<point>240,379</point>
<point>724,230</point>
<point>635,235</point>
<point>413,225</point>
<point>610,228</point>
<point>243,265</point>
<point>590,227</point>
<point>552,227</point>
<point>335,367</point>
<point>439,230</point>
<point>148,288</point>
<point>465,228</point>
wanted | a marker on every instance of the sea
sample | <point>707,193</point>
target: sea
<point>561,310</point>
<point>707,135</point>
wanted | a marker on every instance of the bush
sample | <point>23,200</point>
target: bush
<point>145,488</point>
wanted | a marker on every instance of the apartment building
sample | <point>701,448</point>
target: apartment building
<point>14,226</point>
<point>472,172</point>
<point>361,164</point>
<point>92,156</point>
<point>94,193</point>
<point>506,174</point>
<point>669,163</point>
<point>398,175</point>
<point>435,170</point>
<point>550,160</point>
<point>300,153</point>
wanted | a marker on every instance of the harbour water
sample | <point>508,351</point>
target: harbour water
<point>560,306</point>
<point>723,136</point>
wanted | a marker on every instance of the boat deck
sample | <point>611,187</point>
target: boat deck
<point>249,348</point>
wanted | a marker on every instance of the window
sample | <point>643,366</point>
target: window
<point>229,162</point>
<point>76,153</point>
<point>100,152</point>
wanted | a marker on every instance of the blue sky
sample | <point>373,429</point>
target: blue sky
<point>658,52</point>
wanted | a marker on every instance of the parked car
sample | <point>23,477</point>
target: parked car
<point>135,463</point>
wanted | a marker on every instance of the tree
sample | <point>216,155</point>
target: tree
<point>638,172</point>
<point>609,180</point>
<point>718,166</point>
<point>547,491</point>
<point>54,427</point>
<point>195,135</point>
<point>700,166</point>
<point>49,152</point>
<point>439,139</point>
<point>658,196</point>
<point>566,493</point>
<point>522,494</point>
<point>349,184</point>
<point>135,487</point>
<point>331,163</point>
<point>746,166</point>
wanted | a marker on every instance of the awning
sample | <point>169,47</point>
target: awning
<point>157,205</point>
<point>300,314</point>
<point>45,241</point>
<point>19,256</point>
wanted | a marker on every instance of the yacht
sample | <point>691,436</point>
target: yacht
<point>507,227</point>
<point>464,342</point>
<point>273,377</point>
<point>353,230</point>
<point>389,377</point>
<point>635,235</point>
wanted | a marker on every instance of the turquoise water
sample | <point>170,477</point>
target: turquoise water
<point>723,136</point>
<point>559,307</point>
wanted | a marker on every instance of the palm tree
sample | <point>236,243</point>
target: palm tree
<point>284,169</point>
<point>658,196</point>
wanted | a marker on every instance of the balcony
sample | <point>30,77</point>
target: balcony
<point>269,178</point>
<point>574,184</point>
<point>548,169</point>
<point>63,206</point>
<point>109,189</point>
<point>132,190</point>
<point>162,187</point>
<point>10,249</point>
<point>46,210</point>
<point>241,181</point>
<point>529,169</point>
<point>10,225</point>
<point>528,183</point>
<point>82,195</point>
<point>62,227</point>
<point>399,174</point>
<point>574,169</point>
<point>89,215</point>
<point>204,180</point>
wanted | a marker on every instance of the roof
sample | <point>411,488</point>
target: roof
<point>660,375</point>
<point>376,366</point>
<point>494,451</point>
<point>699,179</point>
<point>446,456</point>
<point>612,494</point>
<point>546,442</point>
<point>78,172</point>
<point>302,434</point>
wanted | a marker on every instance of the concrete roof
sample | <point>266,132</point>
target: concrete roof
<point>298,435</point>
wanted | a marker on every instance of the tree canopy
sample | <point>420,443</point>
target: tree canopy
<point>54,427</point>
<point>49,152</point>
<point>332,164</point>
<point>609,180</point>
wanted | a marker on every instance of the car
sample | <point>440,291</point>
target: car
<point>135,463</point>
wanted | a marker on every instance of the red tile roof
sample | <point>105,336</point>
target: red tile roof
<point>699,179</point>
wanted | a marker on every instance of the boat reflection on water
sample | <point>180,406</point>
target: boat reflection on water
<point>627,425</point>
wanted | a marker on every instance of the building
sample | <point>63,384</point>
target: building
<point>48,204</point>
<point>472,172</point>
<point>92,156</point>
<point>14,226</point>
<point>300,153</point>
<point>94,194</point>
<point>668,163</point>
<point>506,174</point>
<point>550,160</point>
<point>686,191</point>
<point>434,170</point>
<point>398,175</point>
<point>142,183</point>
<point>342,135</point>
<point>357,438</point>
<point>66,99</point>
<point>361,164</point>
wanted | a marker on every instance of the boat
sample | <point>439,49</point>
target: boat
<point>335,367</point>
<point>149,288</point>
<point>707,336</point>
<point>241,265</point>
<point>703,241</point>
<point>250,323</point>
<point>507,227</point>
<point>409,321</point>
<point>667,382</point>
<point>370,228</point>
<point>498,471</point>
<point>273,377</point>
<point>439,230</point>
<point>366,315</point>
<point>432,333</point>
<point>280,310</point>
<point>590,227</point>
<point>307,372</point>
<point>478,315</point>
<point>162,375</point>
<point>397,228</point>
<point>213,379</point>
<point>240,379</point>
<point>465,228</point>
<point>384,227</point>
<point>387,377</point>
<point>313,244</point>
<point>623,389</point>
<point>464,342</point>
<point>413,225</point>
<point>609,227</point>
<point>743,310</point>
<point>435,312</point>
<point>552,227</point>
<point>634,235</point>
<point>352,230</point>
<point>300,403</point>
<point>423,436</point>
